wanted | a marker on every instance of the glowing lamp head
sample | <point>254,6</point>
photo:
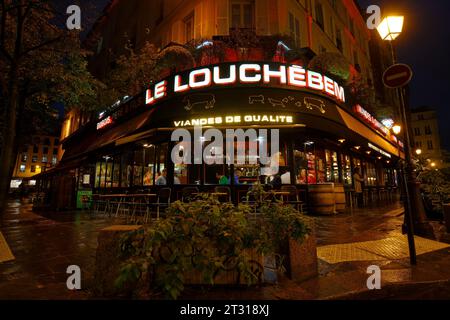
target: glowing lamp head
<point>419,152</point>
<point>433,164</point>
<point>390,27</point>
<point>397,129</point>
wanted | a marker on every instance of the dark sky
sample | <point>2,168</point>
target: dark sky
<point>425,46</point>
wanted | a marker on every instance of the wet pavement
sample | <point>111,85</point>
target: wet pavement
<point>44,246</point>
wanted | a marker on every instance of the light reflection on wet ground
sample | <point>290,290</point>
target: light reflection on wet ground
<point>45,246</point>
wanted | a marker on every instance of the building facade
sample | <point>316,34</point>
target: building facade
<point>34,158</point>
<point>324,136</point>
<point>425,129</point>
<point>321,25</point>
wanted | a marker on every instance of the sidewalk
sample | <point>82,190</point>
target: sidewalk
<point>45,246</point>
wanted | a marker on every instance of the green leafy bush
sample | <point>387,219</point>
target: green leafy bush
<point>207,237</point>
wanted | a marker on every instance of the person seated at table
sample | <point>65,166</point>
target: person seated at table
<point>301,178</point>
<point>162,179</point>
<point>222,179</point>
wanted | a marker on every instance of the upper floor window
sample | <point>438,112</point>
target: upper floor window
<point>294,29</point>
<point>430,145</point>
<point>22,168</point>
<point>35,149</point>
<point>427,130</point>
<point>420,117</point>
<point>242,14</point>
<point>417,131</point>
<point>339,40</point>
<point>189,27</point>
<point>24,157</point>
<point>319,16</point>
<point>55,151</point>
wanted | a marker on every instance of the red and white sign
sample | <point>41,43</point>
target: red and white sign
<point>374,123</point>
<point>292,76</point>
<point>105,122</point>
<point>397,76</point>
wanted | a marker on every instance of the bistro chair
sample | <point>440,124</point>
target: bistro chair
<point>223,189</point>
<point>163,200</point>
<point>293,198</point>
<point>188,193</point>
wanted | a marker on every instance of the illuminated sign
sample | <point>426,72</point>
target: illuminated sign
<point>384,153</point>
<point>377,125</point>
<point>290,76</point>
<point>236,119</point>
<point>105,122</point>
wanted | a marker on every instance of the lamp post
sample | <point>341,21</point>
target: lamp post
<point>389,29</point>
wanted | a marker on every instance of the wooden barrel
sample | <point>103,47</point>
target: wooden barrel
<point>321,198</point>
<point>339,196</point>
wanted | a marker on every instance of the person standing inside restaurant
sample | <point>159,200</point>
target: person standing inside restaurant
<point>358,181</point>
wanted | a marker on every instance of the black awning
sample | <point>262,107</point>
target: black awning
<point>98,140</point>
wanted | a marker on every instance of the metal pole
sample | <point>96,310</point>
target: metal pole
<point>406,173</point>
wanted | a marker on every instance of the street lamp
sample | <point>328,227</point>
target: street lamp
<point>419,152</point>
<point>389,29</point>
<point>397,129</point>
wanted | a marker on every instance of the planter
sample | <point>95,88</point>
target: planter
<point>446,209</point>
<point>107,261</point>
<point>229,277</point>
<point>321,199</point>
<point>301,263</point>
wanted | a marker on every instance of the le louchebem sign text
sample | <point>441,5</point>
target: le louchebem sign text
<point>241,74</point>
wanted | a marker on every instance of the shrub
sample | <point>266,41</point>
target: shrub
<point>208,237</point>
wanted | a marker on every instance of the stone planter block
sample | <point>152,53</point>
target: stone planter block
<point>107,263</point>
<point>303,258</point>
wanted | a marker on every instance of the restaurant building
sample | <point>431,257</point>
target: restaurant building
<point>324,136</point>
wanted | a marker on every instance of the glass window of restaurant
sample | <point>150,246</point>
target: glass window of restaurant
<point>314,163</point>
<point>131,168</point>
<point>346,169</point>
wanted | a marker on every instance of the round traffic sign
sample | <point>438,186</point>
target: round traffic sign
<point>397,76</point>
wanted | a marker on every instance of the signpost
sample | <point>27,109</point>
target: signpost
<point>397,76</point>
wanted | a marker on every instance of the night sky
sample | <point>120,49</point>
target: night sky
<point>424,44</point>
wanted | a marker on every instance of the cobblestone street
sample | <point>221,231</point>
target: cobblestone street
<point>44,246</point>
